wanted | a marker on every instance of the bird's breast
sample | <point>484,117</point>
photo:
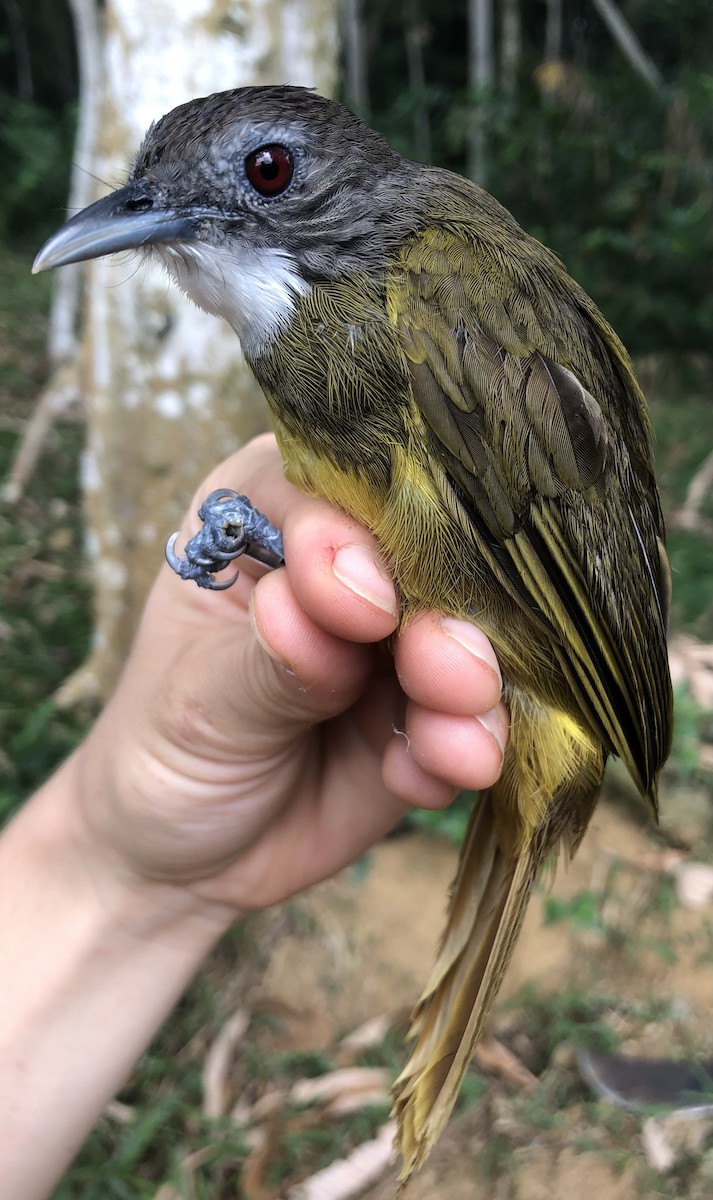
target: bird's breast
<point>340,390</point>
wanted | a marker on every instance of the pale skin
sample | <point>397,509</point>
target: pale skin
<point>259,740</point>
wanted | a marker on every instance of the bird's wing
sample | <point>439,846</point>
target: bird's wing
<point>539,430</point>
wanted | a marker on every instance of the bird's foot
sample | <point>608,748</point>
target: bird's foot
<point>231,527</point>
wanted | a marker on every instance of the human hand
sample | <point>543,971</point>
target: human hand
<point>249,751</point>
<point>263,737</point>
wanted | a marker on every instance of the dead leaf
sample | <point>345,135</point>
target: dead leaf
<point>348,1081</point>
<point>217,1063</point>
<point>678,1134</point>
<point>694,884</point>
<point>124,1114</point>
<point>494,1057</point>
<point>348,1103</point>
<point>348,1177</point>
<point>371,1033</point>
<point>252,1180</point>
<point>167,1192</point>
<point>263,1108</point>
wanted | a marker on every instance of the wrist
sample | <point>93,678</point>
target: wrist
<point>93,961</point>
<point>73,855</point>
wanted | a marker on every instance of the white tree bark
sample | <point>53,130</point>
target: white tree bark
<point>356,72</point>
<point>62,343</point>
<point>166,391</point>
<point>481,74</point>
<point>553,31</point>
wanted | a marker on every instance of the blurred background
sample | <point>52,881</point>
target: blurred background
<point>592,122</point>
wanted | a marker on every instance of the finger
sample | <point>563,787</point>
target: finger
<point>338,573</point>
<point>464,751</point>
<point>448,665</point>
<point>317,674</point>
<point>406,779</point>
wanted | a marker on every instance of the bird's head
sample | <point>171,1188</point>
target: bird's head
<point>248,197</point>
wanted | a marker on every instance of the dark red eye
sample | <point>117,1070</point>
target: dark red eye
<point>269,169</point>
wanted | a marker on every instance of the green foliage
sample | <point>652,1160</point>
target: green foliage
<point>320,1144</point>
<point>582,911</point>
<point>679,393</point>
<point>616,179</point>
<point>692,725</point>
<point>473,1088</point>
<point>450,823</point>
<point>35,151</point>
<point>578,1017</point>
<point>498,1158</point>
<point>44,595</point>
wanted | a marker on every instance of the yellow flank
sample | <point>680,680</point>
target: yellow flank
<point>548,752</point>
<point>318,476</point>
<point>424,549</point>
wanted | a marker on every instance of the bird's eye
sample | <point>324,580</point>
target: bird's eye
<point>269,169</point>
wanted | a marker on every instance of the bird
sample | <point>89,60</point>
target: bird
<point>433,371</point>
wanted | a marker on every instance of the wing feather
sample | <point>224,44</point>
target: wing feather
<point>557,485</point>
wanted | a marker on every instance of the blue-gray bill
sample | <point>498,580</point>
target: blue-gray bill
<point>125,220</point>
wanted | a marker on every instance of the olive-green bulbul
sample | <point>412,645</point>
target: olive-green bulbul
<point>435,372</point>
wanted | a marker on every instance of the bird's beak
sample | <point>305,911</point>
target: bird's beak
<point>126,220</point>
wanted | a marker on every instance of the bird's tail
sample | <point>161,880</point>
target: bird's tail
<point>511,831</point>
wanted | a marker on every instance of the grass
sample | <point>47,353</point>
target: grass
<point>45,621</point>
<point>679,394</point>
<point>561,1112</point>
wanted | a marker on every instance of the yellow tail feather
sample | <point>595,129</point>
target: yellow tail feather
<point>496,873</point>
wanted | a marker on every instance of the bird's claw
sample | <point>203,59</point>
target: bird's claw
<point>231,527</point>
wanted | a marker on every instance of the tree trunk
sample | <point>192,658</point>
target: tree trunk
<point>416,34</point>
<point>628,43</point>
<point>553,31</point>
<point>356,73</point>
<point>480,80</point>
<point>510,47</point>
<point>166,390</point>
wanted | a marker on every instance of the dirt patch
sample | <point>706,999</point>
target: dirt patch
<point>373,930</point>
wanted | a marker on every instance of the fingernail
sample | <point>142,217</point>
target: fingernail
<point>472,639</point>
<point>359,569</point>
<point>489,721</point>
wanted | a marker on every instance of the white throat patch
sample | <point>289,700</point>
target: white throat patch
<point>254,290</point>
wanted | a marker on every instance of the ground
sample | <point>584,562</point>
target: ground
<point>623,941</point>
